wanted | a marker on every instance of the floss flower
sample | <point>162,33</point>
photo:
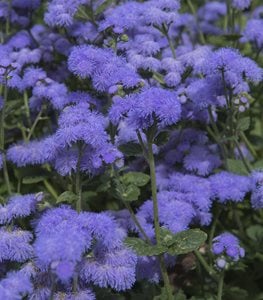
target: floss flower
<point>144,108</point>
<point>257,189</point>
<point>227,244</point>
<point>19,206</point>
<point>227,186</point>
<point>103,67</point>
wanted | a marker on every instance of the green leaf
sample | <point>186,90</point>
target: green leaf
<point>235,293</point>
<point>232,37</point>
<point>243,124</point>
<point>186,241</point>
<point>162,296</point>
<point>236,166</point>
<point>258,164</point>
<point>135,178</point>
<point>103,7</point>
<point>131,149</point>
<point>33,179</point>
<point>68,197</point>
<point>255,232</point>
<point>144,249</point>
<point>130,193</point>
<point>166,237</point>
<point>162,138</point>
<point>180,295</point>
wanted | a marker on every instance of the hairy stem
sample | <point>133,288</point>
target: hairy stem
<point>79,182</point>
<point>220,287</point>
<point>193,11</point>
<point>136,221</point>
<point>212,231</point>
<point>205,265</point>
<point>2,140</point>
<point>164,30</point>
<point>156,218</point>
<point>31,131</point>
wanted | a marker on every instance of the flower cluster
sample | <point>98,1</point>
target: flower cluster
<point>226,245</point>
<point>123,123</point>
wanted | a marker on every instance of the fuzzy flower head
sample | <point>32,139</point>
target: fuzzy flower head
<point>115,269</point>
<point>231,66</point>
<point>77,124</point>
<point>19,206</point>
<point>227,186</point>
<point>15,244</point>
<point>61,12</point>
<point>143,109</point>
<point>253,33</point>
<point>227,245</point>
<point>1,161</point>
<point>105,68</point>
<point>241,4</point>
<point>257,189</point>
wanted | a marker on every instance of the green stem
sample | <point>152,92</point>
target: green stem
<point>217,136</point>
<point>136,221</point>
<point>193,11</point>
<point>6,176</point>
<point>144,150</point>
<point>25,98</point>
<point>166,34</point>
<point>38,117</point>
<point>248,144</point>
<point>205,265</point>
<point>2,139</point>
<point>75,283</point>
<point>245,162</point>
<point>51,190</point>
<point>212,231</point>
<point>79,182</point>
<point>156,218</point>
<point>7,23</point>
<point>220,287</point>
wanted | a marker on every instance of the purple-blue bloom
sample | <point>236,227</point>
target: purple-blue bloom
<point>15,244</point>
<point>144,108</point>
<point>16,285</point>
<point>227,244</point>
<point>241,4</point>
<point>103,66</point>
<point>1,161</point>
<point>253,33</point>
<point>115,268</point>
<point>257,189</point>
<point>19,206</point>
<point>227,186</point>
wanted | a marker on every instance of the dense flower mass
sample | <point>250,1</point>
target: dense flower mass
<point>130,137</point>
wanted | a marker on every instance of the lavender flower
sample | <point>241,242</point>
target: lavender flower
<point>115,269</point>
<point>253,33</point>
<point>227,244</point>
<point>1,161</point>
<point>257,189</point>
<point>103,66</point>
<point>15,244</point>
<point>201,160</point>
<point>146,107</point>
<point>60,239</point>
<point>19,206</point>
<point>16,285</point>
<point>241,4</point>
<point>227,186</point>
<point>61,12</point>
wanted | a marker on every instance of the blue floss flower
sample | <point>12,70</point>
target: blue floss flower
<point>227,244</point>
